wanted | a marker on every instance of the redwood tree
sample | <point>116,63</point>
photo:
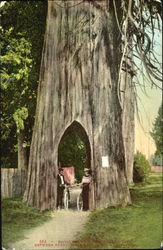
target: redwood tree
<point>86,87</point>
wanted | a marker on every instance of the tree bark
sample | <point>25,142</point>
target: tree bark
<point>128,120</point>
<point>79,85</point>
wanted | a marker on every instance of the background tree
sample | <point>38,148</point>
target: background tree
<point>23,26</point>
<point>157,132</point>
<point>156,160</point>
<point>16,64</point>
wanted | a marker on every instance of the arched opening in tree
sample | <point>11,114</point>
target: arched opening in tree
<point>74,154</point>
<point>74,149</point>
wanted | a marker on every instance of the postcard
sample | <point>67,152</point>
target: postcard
<point>81,126</point>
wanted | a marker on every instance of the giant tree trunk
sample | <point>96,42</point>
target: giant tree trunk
<point>79,91</point>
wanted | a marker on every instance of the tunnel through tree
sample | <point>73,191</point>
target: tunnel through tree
<point>72,152</point>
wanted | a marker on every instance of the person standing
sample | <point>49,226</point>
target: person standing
<point>86,180</point>
<point>60,188</point>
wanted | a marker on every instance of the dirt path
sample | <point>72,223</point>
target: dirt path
<point>58,233</point>
<point>55,234</point>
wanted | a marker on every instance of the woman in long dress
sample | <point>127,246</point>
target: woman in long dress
<point>86,180</point>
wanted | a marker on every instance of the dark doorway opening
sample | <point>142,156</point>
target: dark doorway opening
<point>74,151</point>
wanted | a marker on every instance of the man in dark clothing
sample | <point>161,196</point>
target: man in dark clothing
<point>60,188</point>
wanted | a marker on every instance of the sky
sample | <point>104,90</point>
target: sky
<point>148,107</point>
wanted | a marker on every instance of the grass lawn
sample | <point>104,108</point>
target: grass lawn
<point>133,227</point>
<point>138,226</point>
<point>17,218</point>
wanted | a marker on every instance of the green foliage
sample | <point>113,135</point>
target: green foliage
<point>157,160</point>
<point>16,66</point>
<point>72,152</point>
<point>20,116</point>
<point>141,167</point>
<point>157,132</point>
<point>22,34</point>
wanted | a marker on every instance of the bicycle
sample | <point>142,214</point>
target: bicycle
<point>80,202</point>
<point>66,197</point>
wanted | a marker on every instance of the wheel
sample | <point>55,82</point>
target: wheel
<point>65,201</point>
<point>80,202</point>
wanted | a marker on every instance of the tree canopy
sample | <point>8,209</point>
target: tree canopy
<point>157,132</point>
<point>22,34</point>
